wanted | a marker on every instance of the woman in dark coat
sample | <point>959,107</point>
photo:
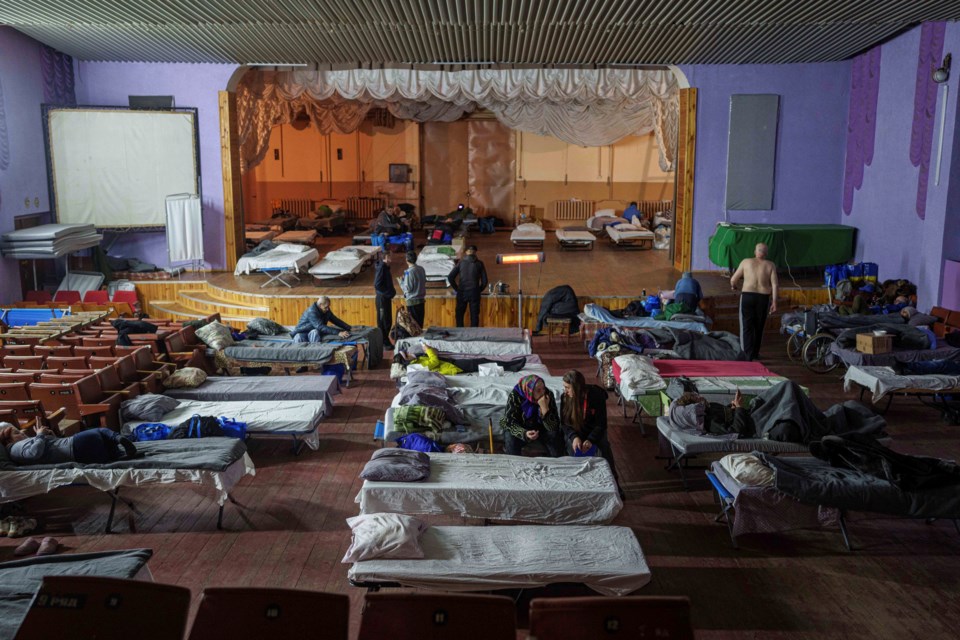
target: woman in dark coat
<point>583,419</point>
<point>531,416</point>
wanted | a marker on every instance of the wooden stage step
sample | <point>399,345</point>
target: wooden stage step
<point>203,301</point>
<point>172,310</point>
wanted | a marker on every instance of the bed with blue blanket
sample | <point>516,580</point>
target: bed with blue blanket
<point>369,339</point>
<point>597,313</point>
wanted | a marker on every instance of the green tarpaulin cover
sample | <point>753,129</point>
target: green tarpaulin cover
<point>790,245</point>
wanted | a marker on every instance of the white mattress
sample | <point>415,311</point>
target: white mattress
<point>568,236</point>
<point>17,485</point>
<point>299,237</point>
<point>273,388</point>
<point>883,380</point>
<point>300,418</point>
<point>502,487</point>
<point>527,232</point>
<point>295,257</point>
<point>48,232</point>
<point>622,232</point>
<point>48,249</point>
<point>260,236</point>
<point>436,265</point>
<point>687,443</point>
<point>606,559</point>
<point>470,347</point>
<point>343,262</point>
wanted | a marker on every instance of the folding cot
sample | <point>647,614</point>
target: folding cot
<point>302,236</point>
<point>299,420</point>
<point>606,559</point>
<point>575,238</point>
<point>628,235</point>
<point>368,342</point>
<point>255,236</point>
<point>345,263</point>
<point>273,388</point>
<point>884,381</point>
<point>437,261</point>
<point>280,263</point>
<point>215,464</point>
<point>480,341</point>
<point>528,235</point>
<point>852,357</point>
<point>502,487</point>
<point>597,313</point>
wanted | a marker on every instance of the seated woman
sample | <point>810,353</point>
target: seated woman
<point>583,419</point>
<point>531,416</point>
<point>93,446</point>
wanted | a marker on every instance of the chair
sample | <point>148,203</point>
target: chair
<point>60,378</point>
<point>436,616</point>
<point>58,351</point>
<point>236,614</point>
<point>184,355</point>
<point>559,327</point>
<point>100,352</point>
<point>67,362</point>
<point>17,350</point>
<point>587,618</point>
<point>82,400</point>
<point>110,382</point>
<point>66,296</point>
<point>105,609</point>
<point>40,297</point>
<point>149,381</point>
<point>30,363</point>
<point>19,376</point>
<point>96,296</point>
<point>99,341</point>
<point>28,413</point>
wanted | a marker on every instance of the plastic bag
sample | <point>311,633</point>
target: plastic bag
<point>233,428</point>
<point>488,369</point>
<point>418,442</point>
<point>150,431</point>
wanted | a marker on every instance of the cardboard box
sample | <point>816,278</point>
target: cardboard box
<point>870,343</point>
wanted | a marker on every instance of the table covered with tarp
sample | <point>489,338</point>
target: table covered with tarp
<point>790,245</point>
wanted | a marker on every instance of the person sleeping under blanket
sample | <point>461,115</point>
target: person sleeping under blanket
<point>783,413</point>
<point>93,446</point>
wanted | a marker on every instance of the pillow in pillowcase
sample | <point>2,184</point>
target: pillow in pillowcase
<point>149,407</point>
<point>397,465</point>
<point>384,535</point>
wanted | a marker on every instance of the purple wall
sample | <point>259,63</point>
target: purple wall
<point>192,85</point>
<point>23,172</point>
<point>810,143</point>
<point>885,207</point>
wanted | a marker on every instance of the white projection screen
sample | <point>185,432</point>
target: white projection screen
<point>115,167</point>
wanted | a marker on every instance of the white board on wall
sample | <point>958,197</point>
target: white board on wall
<point>115,167</point>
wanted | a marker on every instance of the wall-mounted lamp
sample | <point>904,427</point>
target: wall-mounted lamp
<point>942,73</point>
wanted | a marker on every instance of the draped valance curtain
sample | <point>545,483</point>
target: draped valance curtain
<point>585,107</point>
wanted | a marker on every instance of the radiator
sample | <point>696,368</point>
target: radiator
<point>572,209</point>
<point>299,207</point>
<point>650,207</point>
<point>364,208</point>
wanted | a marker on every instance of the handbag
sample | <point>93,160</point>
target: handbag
<point>150,431</point>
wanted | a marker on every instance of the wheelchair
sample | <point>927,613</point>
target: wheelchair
<point>810,342</point>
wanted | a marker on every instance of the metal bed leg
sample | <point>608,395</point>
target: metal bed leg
<point>843,531</point>
<point>677,463</point>
<point>726,509</point>
<point>638,418</point>
<point>297,446</point>
<point>956,525</point>
<point>220,518</point>
<point>113,508</point>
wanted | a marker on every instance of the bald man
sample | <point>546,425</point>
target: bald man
<point>760,289</point>
<point>313,324</point>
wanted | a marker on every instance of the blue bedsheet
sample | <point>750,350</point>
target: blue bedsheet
<point>603,315</point>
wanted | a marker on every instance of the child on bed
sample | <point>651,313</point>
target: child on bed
<point>94,446</point>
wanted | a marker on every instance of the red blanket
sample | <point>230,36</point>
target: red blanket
<point>709,368</point>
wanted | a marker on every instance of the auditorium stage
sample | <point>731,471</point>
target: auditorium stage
<point>607,275</point>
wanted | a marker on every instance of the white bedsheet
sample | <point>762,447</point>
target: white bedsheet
<point>296,257</point>
<point>17,485</point>
<point>622,232</point>
<point>527,232</point>
<point>502,487</point>
<point>343,262</point>
<point>575,236</point>
<point>883,380</point>
<point>300,418</point>
<point>470,347</point>
<point>299,237</point>
<point>638,375</point>
<point>606,559</point>
<point>437,265</point>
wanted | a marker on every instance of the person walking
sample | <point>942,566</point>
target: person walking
<point>385,293</point>
<point>759,296</point>
<point>413,284</point>
<point>468,279</point>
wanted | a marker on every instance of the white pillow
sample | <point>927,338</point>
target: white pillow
<point>289,247</point>
<point>747,469</point>
<point>605,213</point>
<point>384,535</point>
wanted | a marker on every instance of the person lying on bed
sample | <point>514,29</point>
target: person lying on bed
<point>93,446</point>
<point>583,419</point>
<point>313,323</point>
<point>531,416</point>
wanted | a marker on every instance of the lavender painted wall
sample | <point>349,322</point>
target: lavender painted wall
<point>810,143</point>
<point>25,176</point>
<point>885,207</point>
<point>192,85</point>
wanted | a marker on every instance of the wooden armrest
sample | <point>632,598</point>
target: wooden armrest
<point>181,353</point>
<point>57,415</point>
<point>160,362</point>
<point>92,409</point>
<point>124,392</point>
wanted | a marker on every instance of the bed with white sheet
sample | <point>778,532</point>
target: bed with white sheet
<point>478,341</point>
<point>289,257</point>
<point>502,487</point>
<point>272,388</point>
<point>630,235</point>
<point>256,236</point>
<point>528,235</point>
<point>302,236</point>
<point>882,381</point>
<point>299,419</point>
<point>601,218</point>
<point>346,262</point>
<point>576,238</point>
<point>437,261</point>
<point>606,559</point>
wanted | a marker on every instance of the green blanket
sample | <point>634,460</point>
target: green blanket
<point>790,245</point>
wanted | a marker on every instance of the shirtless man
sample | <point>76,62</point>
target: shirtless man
<point>760,289</point>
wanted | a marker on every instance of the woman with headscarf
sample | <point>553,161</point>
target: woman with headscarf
<point>531,416</point>
<point>583,419</point>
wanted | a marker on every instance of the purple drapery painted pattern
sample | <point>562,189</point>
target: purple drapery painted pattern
<point>57,70</point>
<point>925,107</point>
<point>861,122</point>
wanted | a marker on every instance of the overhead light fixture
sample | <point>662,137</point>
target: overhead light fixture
<point>520,259</point>
<point>942,73</point>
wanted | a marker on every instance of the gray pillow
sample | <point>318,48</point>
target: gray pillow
<point>266,327</point>
<point>429,378</point>
<point>149,407</point>
<point>397,465</point>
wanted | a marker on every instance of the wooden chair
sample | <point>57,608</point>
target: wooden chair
<point>60,378</point>
<point>100,341</point>
<point>30,363</point>
<point>25,377</point>
<point>82,400</point>
<point>588,617</point>
<point>59,351</point>
<point>15,391</point>
<point>415,616</point>
<point>184,355</point>
<point>98,297</point>
<point>100,351</point>
<point>105,609</point>
<point>149,381</point>
<point>67,362</point>
<point>31,413</point>
<point>110,382</point>
<point>17,350</point>
<point>66,296</point>
<point>242,613</point>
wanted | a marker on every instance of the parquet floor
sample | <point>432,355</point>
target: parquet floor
<point>903,581</point>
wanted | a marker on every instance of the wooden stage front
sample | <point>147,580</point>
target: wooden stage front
<point>606,275</point>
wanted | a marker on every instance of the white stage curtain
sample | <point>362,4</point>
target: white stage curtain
<point>585,107</point>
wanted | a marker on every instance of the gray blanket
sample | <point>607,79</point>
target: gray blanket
<point>209,454</point>
<point>785,405</point>
<point>474,334</point>
<point>904,336</point>
<point>716,345</point>
<point>815,482</point>
<point>372,335</point>
<point>272,351</point>
<point>20,579</point>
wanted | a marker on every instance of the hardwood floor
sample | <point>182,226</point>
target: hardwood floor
<point>903,580</point>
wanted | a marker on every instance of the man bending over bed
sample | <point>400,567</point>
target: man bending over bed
<point>313,324</point>
<point>531,417</point>
<point>93,446</point>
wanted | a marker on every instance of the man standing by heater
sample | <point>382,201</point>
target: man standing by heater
<point>468,279</point>
<point>760,289</point>
<point>385,293</point>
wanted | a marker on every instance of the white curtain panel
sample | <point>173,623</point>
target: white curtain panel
<point>184,228</point>
<point>585,107</point>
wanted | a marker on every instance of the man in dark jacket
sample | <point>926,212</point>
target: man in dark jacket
<point>468,279</point>
<point>313,323</point>
<point>386,291</point>
<point>559,302</point>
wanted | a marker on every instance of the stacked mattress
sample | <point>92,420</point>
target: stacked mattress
<point>48,241</point>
